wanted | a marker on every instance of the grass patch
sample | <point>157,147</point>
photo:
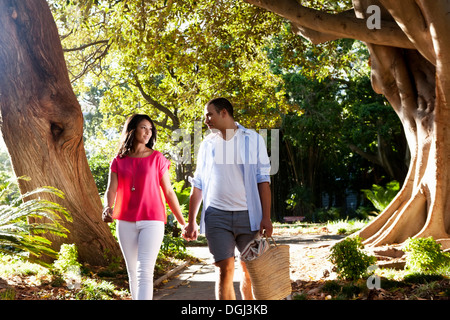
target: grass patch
<point>345,226</point>
<point>342,226</point>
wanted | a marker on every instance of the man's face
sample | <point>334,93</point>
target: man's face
<point>213,119</point>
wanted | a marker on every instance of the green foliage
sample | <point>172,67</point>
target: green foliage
<point>344,291</point>
<point>69,271</point>
<point>173,246</point>
<point>380,196</point>
<point>351,262</point>
<point>421,278</point>
<point>18,265</point>
<point>67,258</point>
<point>345,226</point>
<point>8,294</point>
<point>168,58</point>
<point>93,289</point>
<point>18,234</point>
<point>300,196</point>
<point>337,124</point>
<point>324,215</point>
<point>9,190</point>
<point>183,195</point>
<point>425,255</point>
<point>99,166</point>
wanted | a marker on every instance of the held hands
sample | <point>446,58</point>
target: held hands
<point>106,215</point>
<point>190,231</point>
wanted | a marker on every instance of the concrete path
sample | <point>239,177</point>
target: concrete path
<point>197,281</point>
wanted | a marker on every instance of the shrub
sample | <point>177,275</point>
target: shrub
<point>96,290</point>
<point>420,278</point>
<point>172,246</point>
<point>67,258</point>
<point>350,261</point>
<point>67,267</point>
<point>425,255</point>
<point>99,165</point>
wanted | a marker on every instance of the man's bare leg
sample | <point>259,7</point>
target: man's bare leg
<point>224,284</point>
<point>246,284</point>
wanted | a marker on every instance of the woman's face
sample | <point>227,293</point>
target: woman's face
<point>143,132</point>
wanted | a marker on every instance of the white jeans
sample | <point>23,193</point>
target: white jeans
<point>140,242</point>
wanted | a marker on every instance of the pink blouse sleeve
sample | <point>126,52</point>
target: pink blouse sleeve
<point>164,164</point>
<point>113,166</point>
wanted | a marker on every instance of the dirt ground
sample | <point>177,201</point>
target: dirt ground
<point>313,277</point>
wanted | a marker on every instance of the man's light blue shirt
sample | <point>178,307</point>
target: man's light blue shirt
<point>255,168</point>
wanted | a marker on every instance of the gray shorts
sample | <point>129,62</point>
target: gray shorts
<point>226,230</point>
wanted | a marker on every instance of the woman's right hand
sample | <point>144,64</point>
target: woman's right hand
<point>107,215</point>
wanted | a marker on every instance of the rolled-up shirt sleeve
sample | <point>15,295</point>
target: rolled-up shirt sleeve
<point>263,164</point>
<point>196,181</point>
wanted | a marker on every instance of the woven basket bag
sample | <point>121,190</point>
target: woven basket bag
<point>269,273</point>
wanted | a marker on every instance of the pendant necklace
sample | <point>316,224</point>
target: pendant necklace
<point>134,174</point>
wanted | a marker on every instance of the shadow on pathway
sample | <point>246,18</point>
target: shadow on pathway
<point>197,281</point>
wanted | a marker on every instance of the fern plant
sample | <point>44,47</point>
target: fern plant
<point>380,196</point>
<point>17,234</point>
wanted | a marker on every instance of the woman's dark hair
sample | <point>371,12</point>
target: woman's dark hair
<point>127,138</point>
<point>220,104</point>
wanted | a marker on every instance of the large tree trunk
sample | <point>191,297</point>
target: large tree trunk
<point>412,84</point>
<point>410,61</point>
<point>42,123</point>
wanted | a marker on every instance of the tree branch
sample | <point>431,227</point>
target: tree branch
<point>369,156</point>
<point>437,14</point>
<point>163,124</point>
<point>340,25</point>
<point>156,104</point>
<point>410,19</point>
<point>86,46</point>
<point>94,58</point>
<point>317,37</point>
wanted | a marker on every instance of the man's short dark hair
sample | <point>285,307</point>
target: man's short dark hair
<point>220,104</point>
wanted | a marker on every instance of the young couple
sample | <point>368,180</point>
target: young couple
<point>235,192</point>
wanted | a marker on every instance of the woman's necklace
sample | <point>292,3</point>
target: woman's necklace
<point>134,172</point>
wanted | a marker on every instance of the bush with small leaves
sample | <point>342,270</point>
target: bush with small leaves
<point>67,258</point>
<point>425,255</point>
<point>349,259</point>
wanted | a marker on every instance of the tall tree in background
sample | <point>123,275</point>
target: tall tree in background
<point>42,123</point>
<point>409,44</point>
<point>168,58</point>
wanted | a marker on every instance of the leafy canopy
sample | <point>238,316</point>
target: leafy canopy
<point>168,58</point>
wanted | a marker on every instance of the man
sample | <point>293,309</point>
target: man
<point>233,181</point>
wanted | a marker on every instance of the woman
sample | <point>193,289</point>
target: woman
<point>137,175</point>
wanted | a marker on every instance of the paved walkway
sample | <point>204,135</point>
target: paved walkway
<point>197,281</point>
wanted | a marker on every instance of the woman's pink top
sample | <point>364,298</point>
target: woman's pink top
<point>145,174</point>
